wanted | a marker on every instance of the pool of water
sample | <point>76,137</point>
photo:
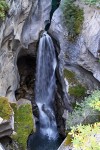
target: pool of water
<point>38,141</point>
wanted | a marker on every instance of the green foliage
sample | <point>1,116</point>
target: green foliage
<point>75,88</point>
<point>5,109</point>
<point>95,103</point>
<point>69,75</point>
<point>73,18</point>
<point>92,2</point>
<point>86,137</point>
<point>3,9</point>
<point>77,91</point>
<point>83,112</point>
<point>23,124</point>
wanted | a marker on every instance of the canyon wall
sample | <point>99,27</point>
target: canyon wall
<point>78,70</point>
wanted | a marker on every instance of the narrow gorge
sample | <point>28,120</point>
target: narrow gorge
<point>49,74</point>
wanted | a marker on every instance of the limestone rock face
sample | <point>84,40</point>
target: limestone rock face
<point>90,42</point>
<point>85,50</point>
<point>23,24</point>
<point>81,56</point>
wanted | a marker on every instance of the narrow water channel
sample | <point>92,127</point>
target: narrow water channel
<point>46,136</point>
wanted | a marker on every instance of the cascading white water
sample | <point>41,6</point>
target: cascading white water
<point>45,86</point>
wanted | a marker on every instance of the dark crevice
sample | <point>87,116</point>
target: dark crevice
<point>55,5</point>
<point>26,67</point>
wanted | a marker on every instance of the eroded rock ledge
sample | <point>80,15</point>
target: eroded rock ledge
<point>78,59</point>
<point>25,21</point>
<point>19,36</point>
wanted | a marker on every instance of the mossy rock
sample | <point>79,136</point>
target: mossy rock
<point>77,91</point>
<point>73,18</point>
<point>5,108</point>
<point>23,124</point>
<point>68,140</point>
<point>69,75</point>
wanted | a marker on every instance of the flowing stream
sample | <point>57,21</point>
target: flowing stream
<point>45,86</point>
<point>46,136</point>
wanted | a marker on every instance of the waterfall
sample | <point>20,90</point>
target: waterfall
<point>45,86</point>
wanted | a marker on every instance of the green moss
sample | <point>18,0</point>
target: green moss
<point>68,140</point>
<point>75,88</point>
<point>3,9</point>
<point>77,91</point>
<point>5,109</point>
<point>23,124</point>
<point>69,75</point>
<point>73,18</point>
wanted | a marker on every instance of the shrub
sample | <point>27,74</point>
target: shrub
<point>3,9</point>
<point>92,2</point>
<point>73,18</point>
<point>86,137</point>
<point>23,120</point>
<point>85,112</point>
<point>77,91</point>
<point>5,109</point>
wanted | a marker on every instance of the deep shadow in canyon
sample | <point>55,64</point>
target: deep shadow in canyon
<point>27,68</point>
<point>27,71</point>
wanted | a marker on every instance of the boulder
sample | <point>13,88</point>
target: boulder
<point>23,122</point>
<point>6,118</point>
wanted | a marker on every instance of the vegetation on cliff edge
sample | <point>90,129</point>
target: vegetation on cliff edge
<point>3,9</point>
<point>85,112</point>
<point>23,118</point>
<point>76,89</point>
<point>5,109</point>
<point>85,137</point>
<point>92,2</point>
<point>73,18</point>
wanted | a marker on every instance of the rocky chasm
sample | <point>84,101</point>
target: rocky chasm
<point>78,61</point>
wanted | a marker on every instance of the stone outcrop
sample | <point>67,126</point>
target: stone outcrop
<point>20,32</point>
<point>19,35</point>
<point>17,120</point>
<point>5,129</point>
<point>6,118</point>
<point>80,57</point>
<point>24,123</point>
